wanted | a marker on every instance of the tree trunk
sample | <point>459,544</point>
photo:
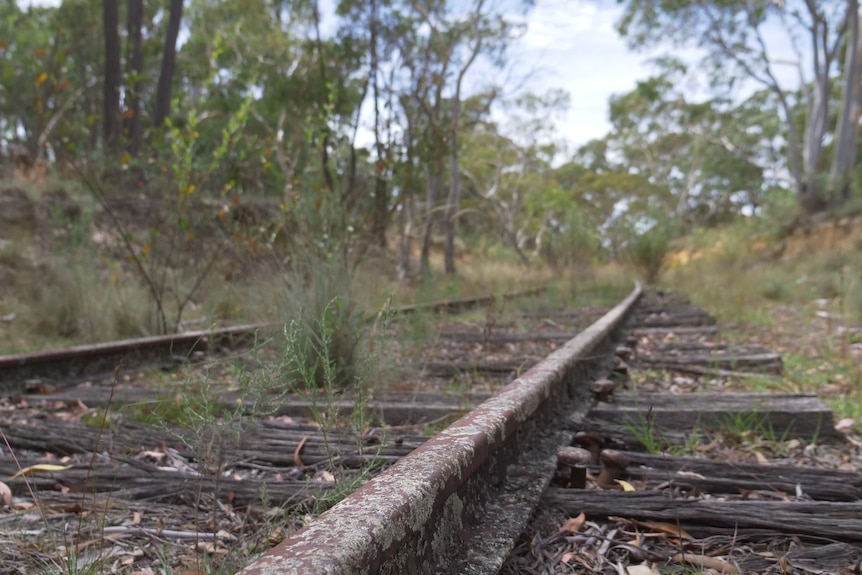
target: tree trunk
<point>381,198</point>
<point>134,67</point>
<point>325,131</point>
<point>111,120</point>
<point>169,57</point>
<point>453,203</point>
<point>847,131</point>
<point>430,207</point>
<point>88,105</point>
<point>453,206</point>
<point>405,266</point>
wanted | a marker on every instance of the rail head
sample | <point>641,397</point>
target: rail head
<point>414,517</point>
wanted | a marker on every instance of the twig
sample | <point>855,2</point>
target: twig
<point>164,532</point>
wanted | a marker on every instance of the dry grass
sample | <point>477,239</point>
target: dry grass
<point>807,305</point>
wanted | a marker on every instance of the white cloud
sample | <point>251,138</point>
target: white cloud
<point>573,45</point>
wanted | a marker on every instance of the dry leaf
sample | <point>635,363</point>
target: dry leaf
<point>46,467</point>
<point>642,569</point>
<point>327,476</point>
<point>567,557</point>
<point>5,495</point>
<point>574,524</point>
<point>136,518</point>
<point>296,459</point>
<point>761,459</point>
<point>707,562</point>
<point>667,528</point>
<point>625,485</point>
<point>846,425</point>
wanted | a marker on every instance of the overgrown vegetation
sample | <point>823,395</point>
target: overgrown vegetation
<point>646,252</point>
<point>152,185</point>
<point>804,299</point>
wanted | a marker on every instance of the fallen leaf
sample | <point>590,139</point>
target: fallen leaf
<point>625,485</point>
<point>761,459</point>
<point>567,557</point>
<point>326,477</point>
<point>297,460</point>
<point>667,528</point>
<point>5,495</point>
<point>642,569</point>
<point>846,425</point>
<point>46,467</point>
<point>706,562</point>
<point>691,474</point>
<point>574,524</point>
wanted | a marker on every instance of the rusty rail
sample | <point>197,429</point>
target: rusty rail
<point>457,305</point>
<point>457,504</point>
<point>79,363</point>
<point>74,364</point>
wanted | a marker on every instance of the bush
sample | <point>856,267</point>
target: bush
<point>326,330</point>
<point>646,252</point>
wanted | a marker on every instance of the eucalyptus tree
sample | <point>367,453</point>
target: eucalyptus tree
<point>733,35</point>
<point>168,64</point>
<point>704,153</point>
<point>436,44</point>
<point>113,75</point>
<point>506,164</point>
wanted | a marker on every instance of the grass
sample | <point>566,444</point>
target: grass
<point>802,302</point>
<point>649,436</point>
<point>750,428</point>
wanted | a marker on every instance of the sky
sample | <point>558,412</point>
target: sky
<point>572,45</point>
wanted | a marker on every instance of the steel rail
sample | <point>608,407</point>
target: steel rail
<point>458,503</point>
<point>75,364</point>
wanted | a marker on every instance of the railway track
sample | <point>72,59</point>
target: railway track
<point>460,503</point>
<point>473,498</point>
<point>81,363</point>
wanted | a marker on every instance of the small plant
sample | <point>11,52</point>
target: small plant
<point>653,441</point>
<point>750,428</point>
<point>645,433</point>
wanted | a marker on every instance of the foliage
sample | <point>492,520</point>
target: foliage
<point>733,35</point>
<point>647,252</point>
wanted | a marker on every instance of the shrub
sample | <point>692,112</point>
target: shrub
<point>646,252</point>
<point>325,326</point>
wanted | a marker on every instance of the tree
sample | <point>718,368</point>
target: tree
<point>112,79</point>
<point>134,69</point>
<point>444,44</point>
<point>169,56</point>
<point>732,33</point>
<point>508,167</point>
<point>704,154</point>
